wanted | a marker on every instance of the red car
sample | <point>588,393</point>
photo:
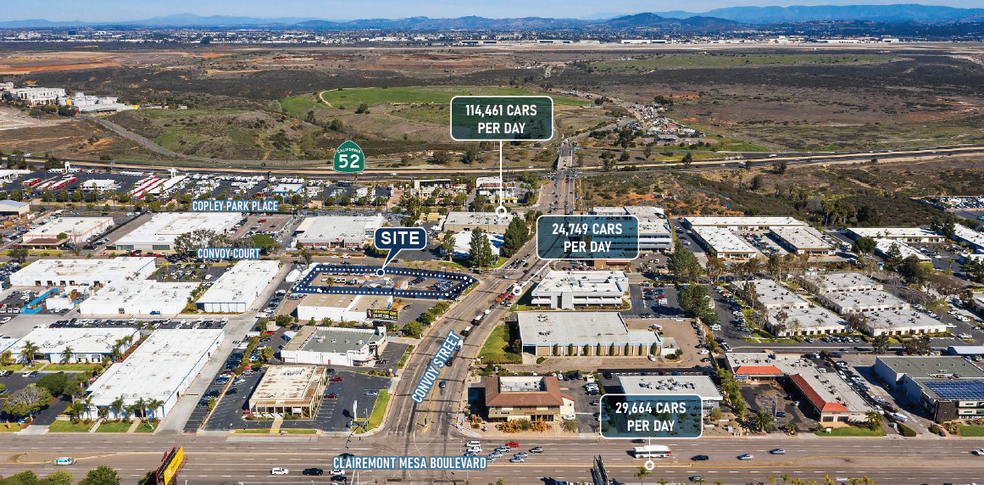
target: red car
<point>336,379</point>
<point>512,444</point>
<point>331,395</point>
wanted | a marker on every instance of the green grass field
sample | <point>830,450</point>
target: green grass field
<point>379,409</point>
<point>299,105</point>
<point>678,61</point>
<point>71,367</point>
<point>69,427</point>
<point>145,427</point>
<point>10,427</point>
<point>971,431</point>
<point>405,357</point>
<point>113,428</point>
<point>852,431</point>
<point>351,98</point>
<point>496,349</point>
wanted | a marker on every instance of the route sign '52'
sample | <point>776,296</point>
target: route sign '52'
<point>349,158</point>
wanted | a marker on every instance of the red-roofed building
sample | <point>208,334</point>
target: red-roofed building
<point>823,401</point>
<point>757,372</point>
<point>533,398</point>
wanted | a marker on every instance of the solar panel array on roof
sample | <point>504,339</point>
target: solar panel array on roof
<point>958,390</point>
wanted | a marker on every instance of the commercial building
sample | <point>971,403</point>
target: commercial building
<point>743,224</point>
<point>901,322</point>
<point>583,333</point>
<point>287,189</point>
<point>462,243</point>
<point>139,298</point>
<point>884,246</point>
<point>972,351</point>
<point>338,231</point>
<point>536,398</point>
<point>289,390</point>
<point>830,282</point>
<point>36,96</point>
<point>765,365</point>
<point>655,231</point>
<point>652,385</point>
<point>458,221</point>
<point>160,369</point>
<point>354,347</point>
<point>808,321</point>
<point>83,272</point>
<point>973,239</point>
<point>13,208</point>
<point>902,234</point>
<point>83,345</point>
<point>802,240</point>
<point>773,296</point>
<point>833,400</point>
<point>81,103</point>
<point>158,234</point>
<point>72,230</point>
<point>862,301</point>
<point>722,243</point>
<point>340,307</point>
<point>573,289</point>
<point>948,388</point>
<point>237,289</point>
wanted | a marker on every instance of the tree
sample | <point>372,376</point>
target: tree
<point>190,242</point>
<point>856,321</point>
<point>914,271</point>
<point>688,159</point>
<point>29,352</point>
<point>447,244</point>
<point>19,254</point>
<point>101,475</point>
<point>893,258</point>
<point>515,237</point>
<point>683,263</point>
<point>6,358</point>
<point>54,383</point>
<point>694,299</point>
<point>67,354</point>
<point>864,245</point>
<point>642,473</point>
<point>761,420</point>
<point>118,405</point>
<point>874,419</point>
<point>362,109</point>
<point>880,344</point>
<point>26,401</point>
<point>780,166</point>
<point>480,249</point>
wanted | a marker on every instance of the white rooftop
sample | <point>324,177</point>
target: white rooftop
<point>157,368</point>
<point>895,232</point>
<point>826,282</point>
<point>73,227</point>
<point>773,296</point>
<point>802,238</point>
<point>338,229</point>
<point>971,236</point>
<point>135,294</point>
<point>579,328</point>
<point>86,340</point>
<point>863,301</point>
<point>587,282</point>
<point>723,241</point>
<point>477,218</point>
<point>702,386</point>
<point>743,222</point>
<point>84,270</point>
<point>164,227</point>
<point>814,318</point>
<point>242,282</point>
<point>883,246</point>
<point>904,320</point>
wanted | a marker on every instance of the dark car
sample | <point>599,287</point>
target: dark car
<point>699,458</point>
<point>232,391</point>
<point>339,478</point>
<point>313,471</point>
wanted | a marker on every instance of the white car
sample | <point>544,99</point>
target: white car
<point>978,452</point>
<point>64,461</point>
<point>279,471</point>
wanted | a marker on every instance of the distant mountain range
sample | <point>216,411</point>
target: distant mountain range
<point>717,19</point>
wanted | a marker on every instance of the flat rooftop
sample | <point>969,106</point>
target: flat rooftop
<point>766,363</point>
<point>827,282</point>
<point>772,295</point>
<point>743,222</point>
<point>724,241</point>
<point>351,302</point>
<point>903,319</point>
<point>811,318</point>
<point>702,386</point>
<point>86,340</point>
<point>158,367</point>
<point>579,328</point>
<point>84,269</point>
<point>334,340</point>
<point>974,237</point>
<point>932,367</point>
<point>829,392</point>
<point>883,246</point>
<point>590,282</point>
<point>477,218</point>
<point>864,300</point>
<point>71,226</point>
<point>802,238</point>
<point>284,384</point>
<point>338,229</point>
<point>164,227</point>
<point>895,232</point>
<point>123,293</point>
<point>242,282</point>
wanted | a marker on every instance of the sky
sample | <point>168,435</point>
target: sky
<point>122,10</point>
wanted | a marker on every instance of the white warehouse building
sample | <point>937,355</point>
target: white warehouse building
<point>139,298</point>
<point>77,231</point>
<point>569,289</point>
<point>83,272</point>
<point>159,233</point>
<point>85,345</point>
<point>237,289</point>
<point>161,368</point>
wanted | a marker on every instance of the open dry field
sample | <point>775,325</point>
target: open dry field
<point>280,103</point>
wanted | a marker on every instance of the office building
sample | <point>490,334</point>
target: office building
<point>568,290</point>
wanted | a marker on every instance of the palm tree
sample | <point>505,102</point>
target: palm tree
<point>642,473</point>
<point>771,479</point>
<point>874,419</point>
<point>67,354</point>
<point>117,406</point>
<point>827,480</point>
<point>75,411</point>
<point>154,405</point>
<point>29,351</point>
<point>141,405</point>
<point>102,413</point>
<point>784,477</point>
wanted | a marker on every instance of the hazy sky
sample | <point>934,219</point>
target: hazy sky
<point>117,10</point>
